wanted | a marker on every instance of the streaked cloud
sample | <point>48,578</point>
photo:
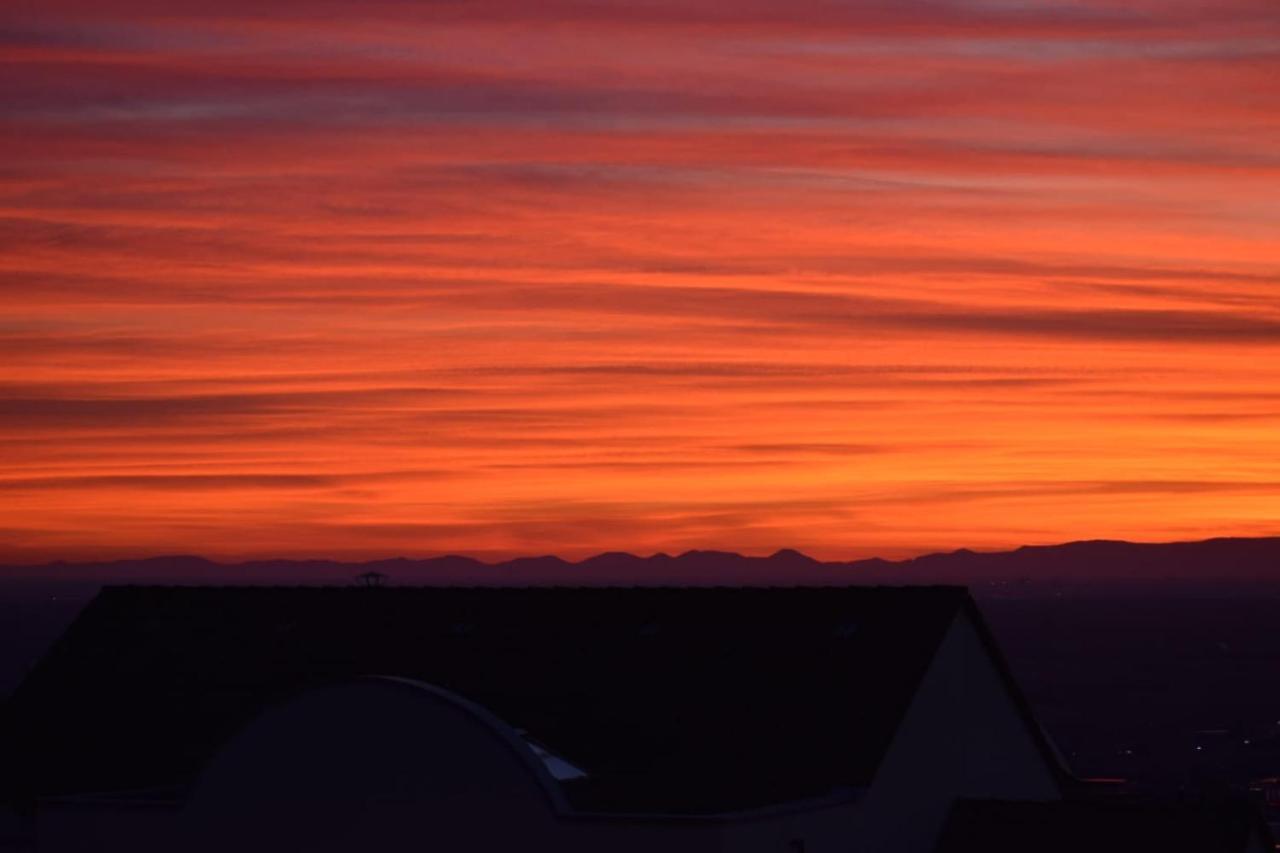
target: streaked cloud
<point>358,279</point>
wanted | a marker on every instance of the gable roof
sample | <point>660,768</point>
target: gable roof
<point>671,699</point>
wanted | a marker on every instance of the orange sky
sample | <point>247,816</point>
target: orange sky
<point>374,278</point>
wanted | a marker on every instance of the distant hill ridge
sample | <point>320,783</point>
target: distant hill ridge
<point>1234,559</point>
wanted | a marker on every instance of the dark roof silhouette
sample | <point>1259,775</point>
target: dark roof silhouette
<point>996,826</point>
<point>672,700</point>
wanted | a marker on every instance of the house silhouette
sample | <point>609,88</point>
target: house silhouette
<point>544,718</point>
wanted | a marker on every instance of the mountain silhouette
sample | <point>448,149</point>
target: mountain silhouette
<point>1225,559</point>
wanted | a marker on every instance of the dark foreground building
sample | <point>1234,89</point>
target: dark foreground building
<point>796,720</point>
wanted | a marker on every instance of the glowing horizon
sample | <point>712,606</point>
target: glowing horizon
<point>350,280</point>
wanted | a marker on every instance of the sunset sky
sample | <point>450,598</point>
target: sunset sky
<point>361,279</point>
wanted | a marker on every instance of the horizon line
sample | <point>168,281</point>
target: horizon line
<point>780,553</point>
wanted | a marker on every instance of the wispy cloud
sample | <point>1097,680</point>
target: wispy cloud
<point>377,277</point>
